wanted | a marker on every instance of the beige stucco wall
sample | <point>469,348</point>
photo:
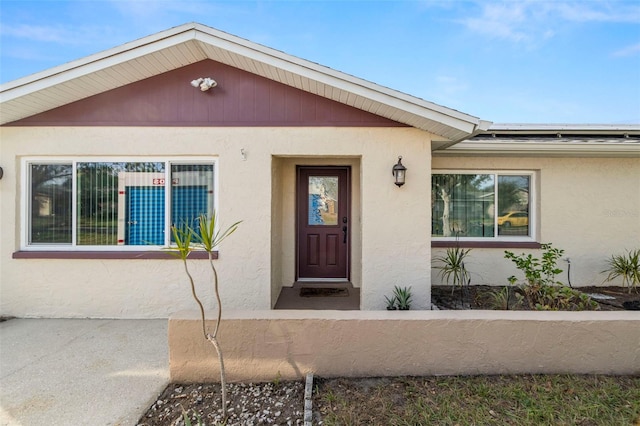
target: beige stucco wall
<point>263,345</point>
<point>391,245</point>
<point>590,207</point>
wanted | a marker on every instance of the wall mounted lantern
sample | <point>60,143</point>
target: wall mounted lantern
<point>399,171</point>
<point>204,83</point>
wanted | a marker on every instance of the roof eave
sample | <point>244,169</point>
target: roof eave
<point>566,129</point>
<point>481,127</point>
<point>88,64</point>
<point>447,123</point>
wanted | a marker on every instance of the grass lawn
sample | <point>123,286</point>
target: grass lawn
<point>479,400</point>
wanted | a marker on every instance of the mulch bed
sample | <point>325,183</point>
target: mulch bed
<point>481,297</point>
<point>273,403</point>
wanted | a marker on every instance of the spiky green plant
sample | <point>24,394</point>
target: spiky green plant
<point>391,303</point>
<point>402,296</point>
<point>626,266</point>
<point>452,268</point>
<point>206,236</point>
<point>187,419</point>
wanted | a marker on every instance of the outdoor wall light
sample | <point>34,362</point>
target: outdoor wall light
<point>204,83</point>
<point>399,171</point>
<point>1,172</point>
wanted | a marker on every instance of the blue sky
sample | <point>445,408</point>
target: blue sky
<point>519,61</point>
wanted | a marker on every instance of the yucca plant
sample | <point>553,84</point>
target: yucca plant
<point>626,266</point>
<point>452,268</point>
<point>205,237</point>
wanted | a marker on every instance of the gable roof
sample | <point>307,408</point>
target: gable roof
<point>190,43</point>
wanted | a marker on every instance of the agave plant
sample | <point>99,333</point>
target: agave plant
<point>626,266</point>
<point>402,297</point>
<point>391,303</point>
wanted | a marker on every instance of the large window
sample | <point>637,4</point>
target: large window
<point>113,204</point>
<point>482,205</point>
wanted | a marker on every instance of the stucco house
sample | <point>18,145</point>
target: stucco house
<point>101,155</point>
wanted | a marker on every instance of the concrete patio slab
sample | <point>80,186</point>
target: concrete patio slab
<point>80,371</point>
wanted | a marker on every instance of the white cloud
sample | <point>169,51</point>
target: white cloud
<point>530,21</point>
<point>509,21</point>
<point>632,50</point>
<point>57,34</point>
<point>600,11</point>
<point>41,33</point>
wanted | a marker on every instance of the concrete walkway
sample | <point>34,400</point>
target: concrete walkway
<point>80,371</point>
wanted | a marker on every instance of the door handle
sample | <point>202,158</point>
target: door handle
<point>344,229</point>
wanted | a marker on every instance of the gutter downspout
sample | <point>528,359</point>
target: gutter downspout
<point>482,126</point>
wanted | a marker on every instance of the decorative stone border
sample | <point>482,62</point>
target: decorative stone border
<point>308,401</point>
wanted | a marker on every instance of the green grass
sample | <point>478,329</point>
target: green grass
<point>480,400</point>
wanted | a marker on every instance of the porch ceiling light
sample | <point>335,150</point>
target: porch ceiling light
<point>399,171</point>
<point>204,83</point>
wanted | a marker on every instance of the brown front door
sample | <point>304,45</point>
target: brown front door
<point>323,223</point>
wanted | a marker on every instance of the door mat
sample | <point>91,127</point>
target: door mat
<point>323,292</point>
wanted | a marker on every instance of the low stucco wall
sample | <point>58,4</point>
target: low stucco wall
<point>263,345</point>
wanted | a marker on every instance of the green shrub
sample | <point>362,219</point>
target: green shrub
<point>541,290</point>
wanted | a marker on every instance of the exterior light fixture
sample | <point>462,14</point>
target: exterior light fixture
<point>204,83</point>
<point>1,172</point>
<point>399,171</point>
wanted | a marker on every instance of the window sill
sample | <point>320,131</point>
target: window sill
<point>143,255</point>
<point>487,244</point>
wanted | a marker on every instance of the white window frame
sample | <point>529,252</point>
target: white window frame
<point>533,205</point>
<point>25,199</point>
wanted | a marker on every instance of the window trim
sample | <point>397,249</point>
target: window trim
<point>107,254</point>
<point>496,240</point>
<point>57,250</point>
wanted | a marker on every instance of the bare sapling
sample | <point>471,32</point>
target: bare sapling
<point>205,237</point>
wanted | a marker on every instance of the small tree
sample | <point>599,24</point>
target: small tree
<point>205,237</point>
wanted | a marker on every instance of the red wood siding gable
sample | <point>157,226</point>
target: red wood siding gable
<point>239,99</point>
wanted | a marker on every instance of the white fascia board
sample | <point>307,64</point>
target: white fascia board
<point>523,128</point>
<point>542,149</point>
<point>96,62</point>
